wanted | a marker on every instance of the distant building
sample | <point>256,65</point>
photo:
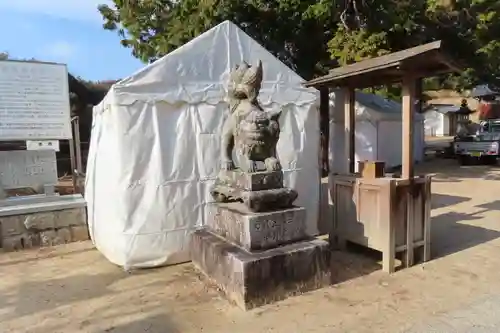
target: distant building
<point>443,119</point>
<point>489,104</point>
<point>484,90</point>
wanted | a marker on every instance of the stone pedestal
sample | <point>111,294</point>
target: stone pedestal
<point>258,258</point>
<point>252,279</point>
<point>255,246</point>
<point>258,231</point>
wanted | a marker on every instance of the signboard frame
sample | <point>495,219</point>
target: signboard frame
<point>66,92</point>
<point>70,135</point>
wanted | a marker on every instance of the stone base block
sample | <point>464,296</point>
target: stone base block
<point>20,242</point>
<point>43,229</point>
<point>256,181</point>
<point>259,201</point>
<point>63,236</point>
<point>256,201</point>
<point>79,233</point>
<point>255,279</point>
<point>257,231</point>
<point>12,226</point>
<point>19,224</point>
<point>48,238</point>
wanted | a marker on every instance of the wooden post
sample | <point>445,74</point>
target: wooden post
<point>324,223</point>
<point>409,85</point>
<point>349,127</point>
<point>324,119</point>
<point>419,95</point>
<point>427,219</point>
<point>387,228</point>
<point>409,89</point>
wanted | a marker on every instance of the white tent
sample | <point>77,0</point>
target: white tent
<point>154,150</point>
<point>378,131</point>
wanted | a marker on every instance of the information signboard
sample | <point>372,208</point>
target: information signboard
<point>34,101</point>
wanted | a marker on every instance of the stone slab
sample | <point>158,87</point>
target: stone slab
<point>257,201</point>
<point>20,242</point>
<point>42,198</point>
<point>63,236</point>
<point>37,204</point>
<point>37,221</point>
<point>256,181</point>
<point>79,233</point>
<point>12,226</point>
<point>27,168</point>
<point>70,217</point>
<point>257,231</point>
<point>255,279</point>
<point>19,224</point>
<point>44,229</point>
<point>48,238</point>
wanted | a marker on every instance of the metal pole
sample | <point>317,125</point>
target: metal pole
<point>72,157</point>
<point>78,147</point>
<point>74,171</point>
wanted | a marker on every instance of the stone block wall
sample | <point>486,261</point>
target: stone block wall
<point>43,229</point>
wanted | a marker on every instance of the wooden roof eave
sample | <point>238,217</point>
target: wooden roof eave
<point>422,61</point>
<point>327,80</point>
<point>376,79</point>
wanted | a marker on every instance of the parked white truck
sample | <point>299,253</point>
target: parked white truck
<point>482,147</point>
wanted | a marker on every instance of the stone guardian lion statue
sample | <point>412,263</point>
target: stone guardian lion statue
<point>249,129</point>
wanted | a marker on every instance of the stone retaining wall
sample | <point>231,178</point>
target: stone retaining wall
<point>43,229</point>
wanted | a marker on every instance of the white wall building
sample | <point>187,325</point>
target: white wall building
<point>441,120</point>
<point>378,134</point>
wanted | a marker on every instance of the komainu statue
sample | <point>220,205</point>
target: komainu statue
<point>253,133</point>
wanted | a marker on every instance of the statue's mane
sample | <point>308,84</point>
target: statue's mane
<point>244,83</point>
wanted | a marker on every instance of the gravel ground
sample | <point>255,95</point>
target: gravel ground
<point>72,288</point>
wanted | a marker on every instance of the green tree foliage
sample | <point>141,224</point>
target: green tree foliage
<point>295,31</point>
<point>313,35</point>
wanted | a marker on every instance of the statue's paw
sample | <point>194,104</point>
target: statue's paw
<point>272,164</point>
<point>227,165</point>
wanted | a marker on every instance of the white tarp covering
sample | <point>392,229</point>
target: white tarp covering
<point>378,131</point>
<point>154,150</point>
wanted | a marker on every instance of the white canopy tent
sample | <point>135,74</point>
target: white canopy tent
<point>378,131</point>
<point>154,150</point>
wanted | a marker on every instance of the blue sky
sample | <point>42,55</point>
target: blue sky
<point>65,31</point>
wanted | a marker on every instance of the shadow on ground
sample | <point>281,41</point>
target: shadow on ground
<point>53,293</point>
<point>447,171</point>
<point>52,254</point>
<point>451,233</point>
<point>445,200</point>
<point>354,262</point>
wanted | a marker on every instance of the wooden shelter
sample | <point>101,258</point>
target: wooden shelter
<point>389,214</point>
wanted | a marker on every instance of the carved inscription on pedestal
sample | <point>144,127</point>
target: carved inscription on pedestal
<point>254,231</point>
<point>278,228</point>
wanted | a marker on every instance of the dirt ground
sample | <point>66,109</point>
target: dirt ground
<point>73,288</point>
